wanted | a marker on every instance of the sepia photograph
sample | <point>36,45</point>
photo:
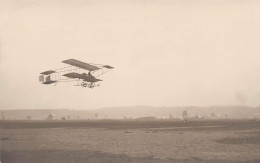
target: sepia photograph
<point>129,81</point>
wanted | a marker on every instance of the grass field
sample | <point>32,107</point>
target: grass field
<point>130,141</point>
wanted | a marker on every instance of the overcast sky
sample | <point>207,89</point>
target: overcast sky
<point>165,52</point>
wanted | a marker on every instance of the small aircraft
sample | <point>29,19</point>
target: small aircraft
<point>86,73</point>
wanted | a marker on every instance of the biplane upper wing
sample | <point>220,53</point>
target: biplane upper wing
<point>81,64</point>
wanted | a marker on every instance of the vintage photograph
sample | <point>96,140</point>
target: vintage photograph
<point>129,81</point>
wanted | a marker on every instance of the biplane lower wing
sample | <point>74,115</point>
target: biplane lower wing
<point>83,76</point>
<point>73,75</point>
<point>90,79</point>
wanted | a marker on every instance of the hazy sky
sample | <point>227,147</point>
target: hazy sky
<point>165,52</point>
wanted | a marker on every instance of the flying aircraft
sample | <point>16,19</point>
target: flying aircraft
<point>85,73</point>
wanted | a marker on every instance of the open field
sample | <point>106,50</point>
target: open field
<point>130,141</point>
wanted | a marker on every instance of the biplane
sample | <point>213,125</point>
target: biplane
<point>85,74</point>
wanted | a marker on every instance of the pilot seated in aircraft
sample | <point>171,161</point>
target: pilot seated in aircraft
<point>89,74</point>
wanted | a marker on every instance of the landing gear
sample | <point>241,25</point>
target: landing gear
<point>83,84</point>
<point>90,85</point>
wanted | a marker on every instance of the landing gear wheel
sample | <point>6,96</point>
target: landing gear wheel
<point>83,84</point>
<point>91,85</point>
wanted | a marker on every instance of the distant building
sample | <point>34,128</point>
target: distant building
<point>28,117</point>
<point>96,115</point>
<point>50,117</point>
<point>213,115</point>
<point>185,115</point>
<point>146,118</point>
<point>3,116</point>
<point>226,115</point>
